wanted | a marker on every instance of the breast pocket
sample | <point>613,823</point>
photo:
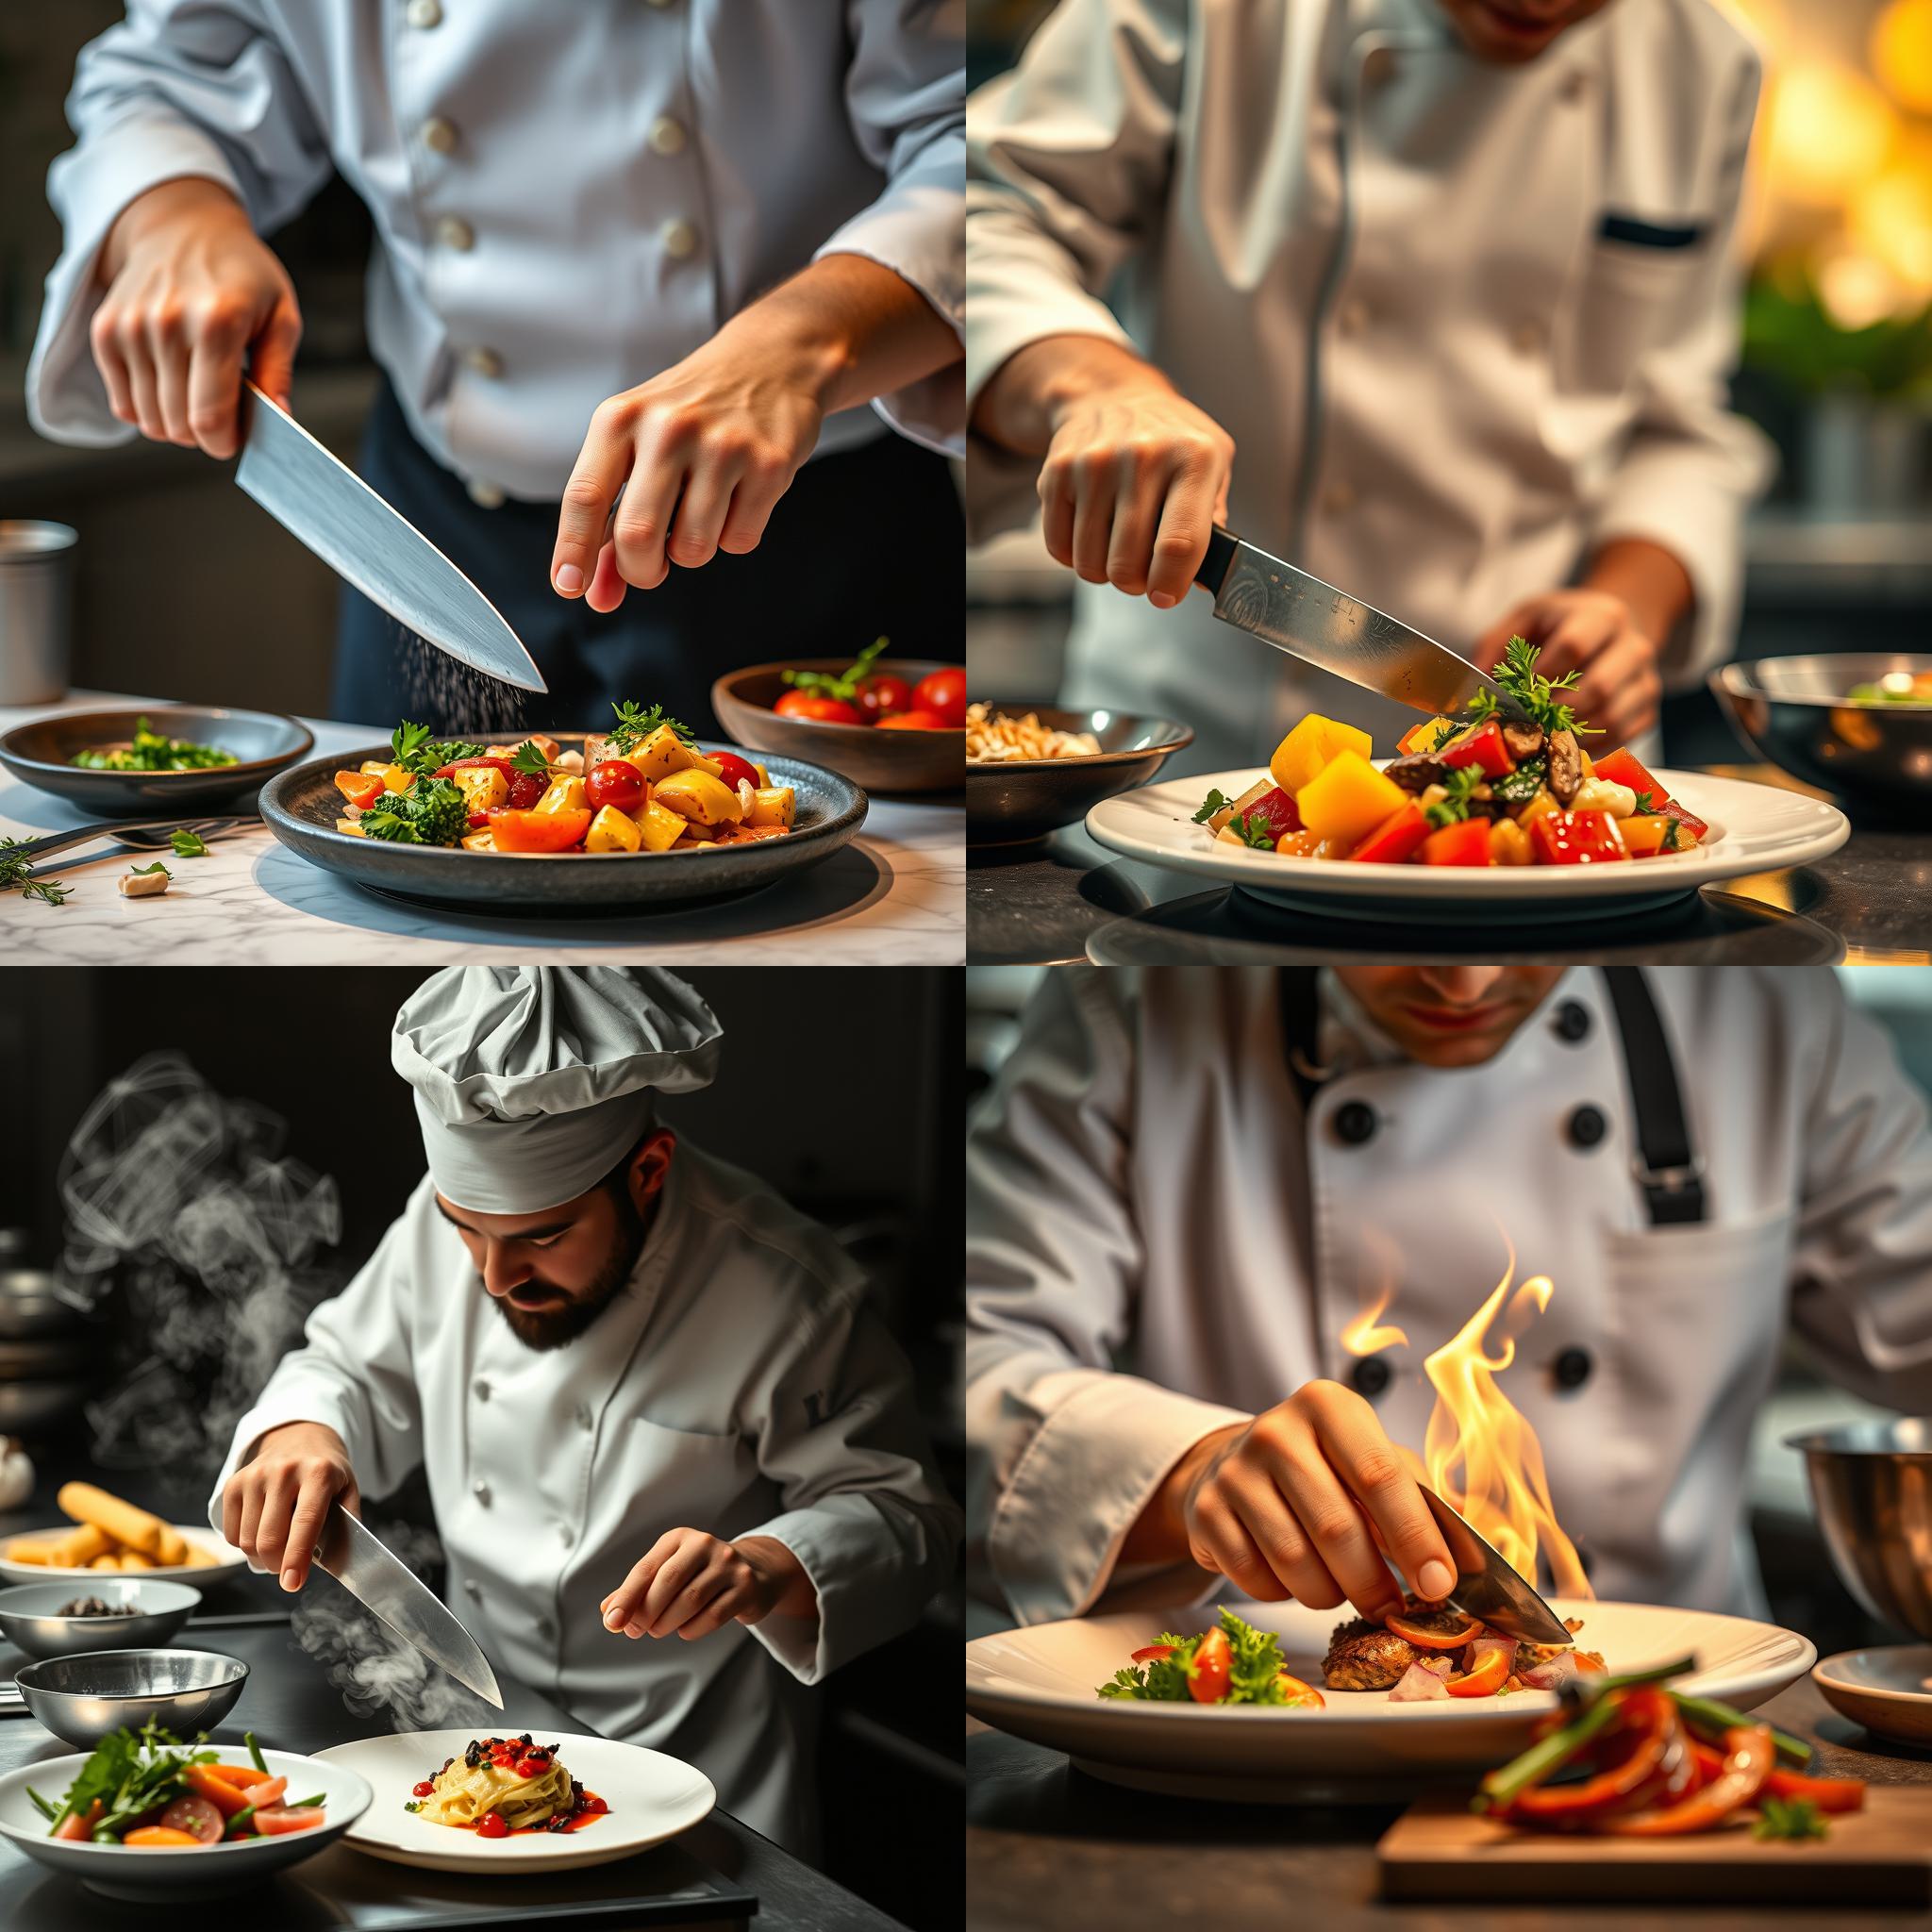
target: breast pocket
<point>684,1478</point>
<point>1637,285</point>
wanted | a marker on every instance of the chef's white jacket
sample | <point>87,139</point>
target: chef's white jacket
<point>567,200</point>
<point>1384,267</point>
<point>739,1385</point>
<point>1159,1244</point>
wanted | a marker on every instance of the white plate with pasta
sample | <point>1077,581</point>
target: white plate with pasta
<point>436,1792</point>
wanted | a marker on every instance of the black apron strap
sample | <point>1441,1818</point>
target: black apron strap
<point>1666,1165</point>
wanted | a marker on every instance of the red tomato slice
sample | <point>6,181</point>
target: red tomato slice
<point>525,789</point>
<point>1684,816</point>
<point>943,691</point>
<point>266,1792</point>
<point>1297,1692</point>
<point>1396,837</point>
<point>1213,1665</point>
<point>1484,1681</point>
<point>1620,767</point>
<point>537,831</point>
<point>1424,1638</point>
<point>1576,838</point>
<point>802,704</point>
<point>1466,842</point>
<point>1827,1793</point>
<point>77,1825</point>
<point>735,770</point>
<point>501,765</point>
<point>197,1816</point>
<point>274,1820</point>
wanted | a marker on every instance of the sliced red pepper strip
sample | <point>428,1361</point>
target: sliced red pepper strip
<point>1827,1793</point>
<point>1424,1638</point>
<point>1749,1756</point>
<point>1484,747</point>
<point>1646,1713</point>
<point>1152,1653</point>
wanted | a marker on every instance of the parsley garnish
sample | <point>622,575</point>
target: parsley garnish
<point>634,724</point>
<point>141,872</point>
<point>1213,803</point>
<point>1252,831</point>
<point>15,871</point>
<point>411,1804</point>
<point>1254,1675</point>
<point>1791,1818</point>
<point>1647,804</point>
<point>188,844</point>
<point>529,757</point>
<point>1538,696</point>
<point>420,755</point>
<point>1459,783</point>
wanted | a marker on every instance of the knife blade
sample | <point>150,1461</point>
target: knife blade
<point>1488,1588</point>
<point>382,1582</point>
<point>328,507</point>
<point>1313,621</point>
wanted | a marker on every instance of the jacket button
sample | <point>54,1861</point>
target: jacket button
<point>473,1589</point>
<point>1573,1021</point>
<point>1370,1377</point>
<point>1355,1122</point>
<point>1572,1367</point>
<point>1588,1125</point>
<point>480,1490</point>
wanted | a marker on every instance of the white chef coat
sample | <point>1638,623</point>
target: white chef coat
<point>739,1385</point>
<point>567,200</point>
<point>1157,1246</point>
<point>1378,262</point>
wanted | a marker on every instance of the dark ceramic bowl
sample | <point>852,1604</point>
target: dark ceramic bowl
<point>1029,798</point>
<point>264,743</point>
<point>879,760</point>
<point>301,808</point>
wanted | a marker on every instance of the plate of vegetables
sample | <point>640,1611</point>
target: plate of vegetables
<point>1481,816</point>
<point>1289,1708</point>
<point>149,1816</point>
<point>120,763</point>
<point>636,816</point>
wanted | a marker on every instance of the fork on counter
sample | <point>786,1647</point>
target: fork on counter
<point>145,835</point>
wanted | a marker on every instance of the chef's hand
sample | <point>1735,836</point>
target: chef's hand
<point>1301,1503</point>
<point>191,290</point>
<point>695,1584</point>
<point>1134,479</point>
<point>273,1505</point>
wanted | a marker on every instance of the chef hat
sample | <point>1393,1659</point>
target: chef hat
<point>533,1082</point>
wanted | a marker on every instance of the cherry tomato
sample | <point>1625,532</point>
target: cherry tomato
<point>427,1789</point>
<point>267,1791</point>
<point>879,697</point>
<point>278,1819</point>
<point>196,1816</point>
<point>943,691</point>
<point>915,721</point>
<point>537,831</point>
<point>491,1824</point>
<point>801,703</point>
<point>615,782</point>
<point>525,789</point>
<point>1213,1664</point>
<point>736,771</point>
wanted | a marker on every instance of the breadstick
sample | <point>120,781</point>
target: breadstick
<point>25,1550</point>
<point>121,1521</point>
<point>172,1550</point>
<point>78,1549</point>
<point>109,1562</point>
<point>199,1558</point>
<point>133,1560</point>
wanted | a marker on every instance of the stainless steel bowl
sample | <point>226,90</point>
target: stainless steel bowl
<point>1026,798</point>
<point>148,1615</point>
<point>88,1697</point>
<point>1793,711</point>
<point>1871,1486</point>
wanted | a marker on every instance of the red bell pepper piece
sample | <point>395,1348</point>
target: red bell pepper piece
<point>1827,1793</point>
<point>1621,768</point>
<point>1484,746</point>
<point>361,789</point>
<point>1648,1720</point>
<point>1275,812</point>
<point>1396,837</point>
<point>1466,842</point>
<point>1749,1756</point>
<point>1576,838</point>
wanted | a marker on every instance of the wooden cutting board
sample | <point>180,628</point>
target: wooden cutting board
<point>1438,1849</point>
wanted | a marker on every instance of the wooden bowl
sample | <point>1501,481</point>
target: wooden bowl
<point>879,760</point>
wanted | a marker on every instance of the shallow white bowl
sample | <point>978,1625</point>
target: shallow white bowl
<point>652,1797</point>
<point>1888,1690</point>
<point>1753,828</point>
<point>1042,1684</point>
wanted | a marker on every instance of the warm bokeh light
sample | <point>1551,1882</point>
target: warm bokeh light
<point>1891,217</point>
<point>1902,53</point>
<point>1829,130</point>
<point>1856,289</point>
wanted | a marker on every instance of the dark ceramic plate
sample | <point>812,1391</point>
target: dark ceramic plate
<point>264,743</point>
<point>1029,798</point>
<point>881,761</point>
<point>301,808</point>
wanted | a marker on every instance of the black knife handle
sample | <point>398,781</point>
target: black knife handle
<point>1220,558</point>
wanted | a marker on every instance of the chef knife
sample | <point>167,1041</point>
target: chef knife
<point>361,537</point>
<point>360,1563</point>
<point>1487,1588</point>
<point>1313,621</point>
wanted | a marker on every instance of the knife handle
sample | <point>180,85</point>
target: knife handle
<point>1215,565</point>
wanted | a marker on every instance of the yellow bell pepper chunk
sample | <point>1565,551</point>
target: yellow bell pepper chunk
<point>350,826</point>
<point>565,795</point>
<point>661,753</point>
<point>483,790</point>
<point>657,830</point>
<point>699,798</point>
<point>1348,799</point>
<point>771,805</point>
<point>611,831</point>
<point>484,841</point>
<point>1310,747</point>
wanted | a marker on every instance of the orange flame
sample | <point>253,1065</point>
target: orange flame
<point>1365,1334</point>
<point>1481,1456</point>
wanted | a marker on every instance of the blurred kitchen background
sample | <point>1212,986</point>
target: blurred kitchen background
<point>1805,1591</point>
<point>1837,362</point>
<point>198,1157</point>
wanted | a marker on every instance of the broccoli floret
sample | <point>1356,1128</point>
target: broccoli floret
<point>433,811</point>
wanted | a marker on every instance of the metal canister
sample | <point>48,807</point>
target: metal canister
<point>36,610</point>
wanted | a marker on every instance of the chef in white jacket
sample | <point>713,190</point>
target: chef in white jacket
<point>1185,1185</point>
<point>673,1455</point>
<point>1434,298</point>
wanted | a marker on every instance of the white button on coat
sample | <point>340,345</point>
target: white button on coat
<point>439,133</point>
<point>485,496</point>
<point>454,232</point>
<point>667,135</point>
<point>424,14</point>
<point>483,361</point>
<point>679,238</point>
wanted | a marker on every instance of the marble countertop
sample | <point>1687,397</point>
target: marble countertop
<point>894,896</point>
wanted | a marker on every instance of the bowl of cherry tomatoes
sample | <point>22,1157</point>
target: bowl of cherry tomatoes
<point>887,724</point>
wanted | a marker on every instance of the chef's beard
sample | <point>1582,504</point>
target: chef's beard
<point>547,1331</point>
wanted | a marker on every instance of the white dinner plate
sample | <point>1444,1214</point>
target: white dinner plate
<point>1753,828</point>
<point>1042,1684</point>
<point>227,1560</point>
<point>652,1797</point>
<point>1888,1690</point>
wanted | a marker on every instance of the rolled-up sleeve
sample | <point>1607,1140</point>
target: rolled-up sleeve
<point>905,100</point>
<point>1063,1452</point>
<point>180,87</point>
<point>1692,467</point>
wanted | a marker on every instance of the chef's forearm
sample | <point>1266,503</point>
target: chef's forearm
<point>1022,403</point>
<point>795,1594</point>
<point>851,328</point>
<point>1159,1533</point>
<point>1651,581</point>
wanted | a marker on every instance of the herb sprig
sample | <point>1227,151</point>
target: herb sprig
<point>634,723</point>
<point>16,869</point>
<point>188,844</point>
<point>1460,782</point>
<point>420,755</point>
<point>1537,694</point>
<point>1254,1672</point>
<point>1788,1818</point>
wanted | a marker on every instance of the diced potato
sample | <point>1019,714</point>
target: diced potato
<point>1310,747</point>
<point>1348,799</point>
<point>484,841</point>
<point>659,829</point>
<point>571,762</point>
<point>699,798</point>
<point>483,790</point>
<point>350,826</point>
<point>661,753</point>
<point>771,805</point>
<point>610,831</point>
<point>564,794</point>
<point>1508,843</point>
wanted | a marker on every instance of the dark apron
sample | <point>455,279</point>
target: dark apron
<point>866,542</point>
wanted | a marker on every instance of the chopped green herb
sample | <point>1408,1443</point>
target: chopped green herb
<point>634,723</point>
<point>838,683</point>
<point>1647,804</point>
<point>411,1805</point>
<point>152,751</point>
<point>141,872</point>
<point>17,869</point>
<point>1538,696</point>
<point>1520,786</point>
<point>1793,1818</point>
<point>1213,803</point>
<point>188,844</point>
<point>420,755</point>
<point>1252,831</point>
<point>1459,784</point>
<point>529,757</point>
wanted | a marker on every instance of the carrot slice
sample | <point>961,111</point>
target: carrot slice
<point>225,1797</point>
<point>266,1792</point>
<point>146,1836</point>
